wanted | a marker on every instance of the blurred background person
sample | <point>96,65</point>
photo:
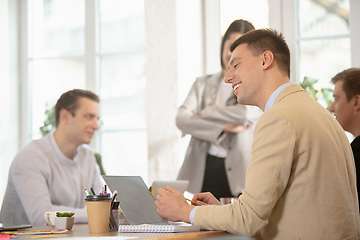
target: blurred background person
<point>221,129</point>
<point>346,109</point>
<point>49,173</point>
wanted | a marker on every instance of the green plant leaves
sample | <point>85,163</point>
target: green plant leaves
<point>50,122</point>
<point>326,93</point>
<point>64,214</point>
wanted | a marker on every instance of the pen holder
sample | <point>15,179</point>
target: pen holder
<point>114,216</point>
<point>98,212</point>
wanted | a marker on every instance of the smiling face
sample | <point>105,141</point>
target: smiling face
<point>82,126</point>
<point>342,108</point>
<point>244,75</point>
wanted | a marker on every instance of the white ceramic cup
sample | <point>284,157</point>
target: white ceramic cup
<point>50,218</point>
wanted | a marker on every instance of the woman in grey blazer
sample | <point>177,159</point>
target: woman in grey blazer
<point>221,129</point>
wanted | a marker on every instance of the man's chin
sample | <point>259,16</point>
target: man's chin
<point>244,101</point>
<point>87,141</point>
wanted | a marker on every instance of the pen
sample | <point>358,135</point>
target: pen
<point>92,191</point>
<point>186,198</point>
<point>191,201</point>
<point>105,190</point>
<point>86,191</point>
<point>113,198</point>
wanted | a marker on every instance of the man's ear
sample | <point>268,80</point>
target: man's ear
<point>357,102</point>
<point>267,59</point>
<point>64,116</point>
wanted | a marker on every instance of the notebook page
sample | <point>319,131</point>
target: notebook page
<point>158,228</point>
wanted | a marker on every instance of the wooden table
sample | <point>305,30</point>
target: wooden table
<point>82,230</point>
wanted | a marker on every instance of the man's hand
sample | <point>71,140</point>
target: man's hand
<point>232,128</point>
<point>205,199</point>
<point>172,205</point>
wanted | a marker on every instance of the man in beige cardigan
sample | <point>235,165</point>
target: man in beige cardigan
<point>300,183</point>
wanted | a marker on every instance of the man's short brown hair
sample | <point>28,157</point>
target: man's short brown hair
<point>261,40</point>
<point>69,101</point>
<point>351,81</point>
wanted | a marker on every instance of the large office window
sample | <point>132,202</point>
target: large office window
<point>56,53</point>
<point>121,59</point>
<point>56,61</point>
<point>323,39</point>
<point>255,11</point>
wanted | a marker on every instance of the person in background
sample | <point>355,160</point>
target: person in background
<point>48,174</point>
<point>346,109</point>
<point>301,182</point>
<point>221,129</point>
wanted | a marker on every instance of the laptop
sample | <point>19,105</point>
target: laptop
<point>8,225</point>
<point>180,185</point>
<point>4,227</point>
<point>136,201</point>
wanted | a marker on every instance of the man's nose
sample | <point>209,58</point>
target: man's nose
<point>331,108</point>
<point>228,76</point>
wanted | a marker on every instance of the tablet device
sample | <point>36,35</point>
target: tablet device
<point>180,185</point>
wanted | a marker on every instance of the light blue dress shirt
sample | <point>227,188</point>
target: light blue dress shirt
<point>273,96</point>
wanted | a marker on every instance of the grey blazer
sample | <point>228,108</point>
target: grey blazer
<point>207,128</point>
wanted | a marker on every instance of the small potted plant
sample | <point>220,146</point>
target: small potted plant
<point>64,220</point>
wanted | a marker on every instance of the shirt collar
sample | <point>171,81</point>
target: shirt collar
<point>273,96</point>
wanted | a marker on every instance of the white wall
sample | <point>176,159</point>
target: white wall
<point>174,58</point>
<point>161,89</point>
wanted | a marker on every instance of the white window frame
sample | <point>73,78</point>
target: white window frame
<point>91,82</point>
<point>282,17</point>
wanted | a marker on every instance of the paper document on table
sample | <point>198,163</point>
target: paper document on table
<point>158,228</point>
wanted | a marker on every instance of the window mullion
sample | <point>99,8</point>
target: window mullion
<point>354,32</point>
<point>25,85</point>
<point>90,54</point>
<point>90,45</point>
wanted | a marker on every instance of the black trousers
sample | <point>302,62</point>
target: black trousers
<point>215,179</point>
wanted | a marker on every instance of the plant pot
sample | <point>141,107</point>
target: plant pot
<point>62,223</point>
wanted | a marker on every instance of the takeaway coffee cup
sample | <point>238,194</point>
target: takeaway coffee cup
<point>98,212</point>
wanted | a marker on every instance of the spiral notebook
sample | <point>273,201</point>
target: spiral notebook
<point>158,228</point>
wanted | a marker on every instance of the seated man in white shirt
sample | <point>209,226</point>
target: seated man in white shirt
<point>49,173</point>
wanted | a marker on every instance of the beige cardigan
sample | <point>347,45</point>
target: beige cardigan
<point>300,183</point>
